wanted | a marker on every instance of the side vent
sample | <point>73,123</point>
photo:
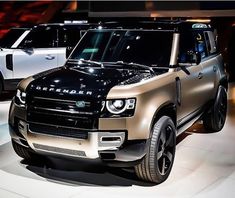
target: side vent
<point>178,90</point>
<point>9,62</point>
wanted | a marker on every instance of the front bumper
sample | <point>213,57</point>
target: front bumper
<point>109,146</point>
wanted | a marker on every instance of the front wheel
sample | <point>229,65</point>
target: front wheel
<point>157,163</point>
<point>214,120</point>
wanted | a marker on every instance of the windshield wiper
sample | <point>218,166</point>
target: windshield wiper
<point>80,61</point>
<point>134,65</point>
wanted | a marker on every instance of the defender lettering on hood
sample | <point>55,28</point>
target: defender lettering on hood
<point>58,90</point>
<point>81,81</point>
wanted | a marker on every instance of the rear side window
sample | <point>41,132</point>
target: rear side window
<point>69,37</point>
<point>211,42</point>
<point>41,37</point>
<point>201,44</point>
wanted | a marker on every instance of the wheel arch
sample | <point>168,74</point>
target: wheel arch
<point>224,82</point>
<point>166,109</point>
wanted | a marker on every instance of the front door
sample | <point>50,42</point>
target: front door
<point>27,62</point>
<point>36,53</point>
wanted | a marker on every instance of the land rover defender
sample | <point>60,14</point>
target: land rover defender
<point>123,97</point>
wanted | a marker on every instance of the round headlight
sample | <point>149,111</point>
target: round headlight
<point>116,106</point>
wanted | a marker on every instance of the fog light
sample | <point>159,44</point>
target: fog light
<point>107,139</point>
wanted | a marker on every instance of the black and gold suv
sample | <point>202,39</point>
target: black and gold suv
<point>123,96</point>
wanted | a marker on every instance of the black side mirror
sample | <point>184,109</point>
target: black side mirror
<point>69,49</point>
<point>198,58</point>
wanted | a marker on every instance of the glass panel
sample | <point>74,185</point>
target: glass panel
<point>40,37</point>
<point>143,47</point>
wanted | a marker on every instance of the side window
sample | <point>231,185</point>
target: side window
<point>201,44</point>
<point>69,37</point>
<point>186,47</point>
<point>45,37</point>
<point>211,42</point>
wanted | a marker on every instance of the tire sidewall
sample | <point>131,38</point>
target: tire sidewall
<point>154,143</point>
<point>221,90</point>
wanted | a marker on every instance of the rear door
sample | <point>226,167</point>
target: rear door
<point>210,65</point>
<point>36,53</point>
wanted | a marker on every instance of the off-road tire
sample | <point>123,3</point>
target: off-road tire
<point>214,120</point>
<point>149,168</point>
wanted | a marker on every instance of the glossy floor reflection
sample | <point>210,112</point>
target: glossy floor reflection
<point>204,167</point>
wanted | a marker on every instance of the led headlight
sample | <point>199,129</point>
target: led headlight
<point>119,106</point>
<point>20,97</point>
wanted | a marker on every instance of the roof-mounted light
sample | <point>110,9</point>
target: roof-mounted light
<point>199,20</point>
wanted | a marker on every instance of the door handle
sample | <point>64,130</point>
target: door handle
<point>200,75</point>
<point>49,57</point>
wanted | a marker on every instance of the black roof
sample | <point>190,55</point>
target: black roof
<point>159,25</point>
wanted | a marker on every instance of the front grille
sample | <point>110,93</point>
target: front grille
<point>58,131</point>
<point>59,150</point>
<point>63,113</point>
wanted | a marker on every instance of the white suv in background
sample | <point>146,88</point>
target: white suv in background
<point>8,43</point>
<point>43,48</point>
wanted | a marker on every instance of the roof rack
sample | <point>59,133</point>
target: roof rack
<point>159,24</point>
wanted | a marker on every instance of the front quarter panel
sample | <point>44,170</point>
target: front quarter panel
<point>150,95</point>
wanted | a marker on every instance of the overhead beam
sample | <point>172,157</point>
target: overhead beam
<point>166,13</point>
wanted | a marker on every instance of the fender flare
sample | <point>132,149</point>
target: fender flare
<point>168,109</point>
<point>224,82</point>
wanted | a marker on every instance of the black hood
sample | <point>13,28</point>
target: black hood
<point>74,96</point>
<point>85,81</point>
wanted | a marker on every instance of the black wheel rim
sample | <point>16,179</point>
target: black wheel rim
<point>221,110</point>
<point>166,150</point>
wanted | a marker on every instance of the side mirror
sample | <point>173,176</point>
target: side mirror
<point>69,49</point>
<point>197,58</point>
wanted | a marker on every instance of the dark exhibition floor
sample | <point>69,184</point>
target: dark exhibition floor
<point>204,167</point>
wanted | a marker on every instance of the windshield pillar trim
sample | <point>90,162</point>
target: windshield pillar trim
<point>175,49</point>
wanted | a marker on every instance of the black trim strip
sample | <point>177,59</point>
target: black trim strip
<point>188,118</point>
<point>193,115</point>
<point>11,84</point>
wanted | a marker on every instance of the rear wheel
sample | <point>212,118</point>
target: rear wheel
<point>214,120</point>
<point>156,165</point>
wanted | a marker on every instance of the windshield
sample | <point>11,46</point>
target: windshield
<point>146,47</point>
<point>10,38</point>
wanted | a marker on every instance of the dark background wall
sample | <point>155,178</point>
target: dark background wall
<point>29,13</point>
